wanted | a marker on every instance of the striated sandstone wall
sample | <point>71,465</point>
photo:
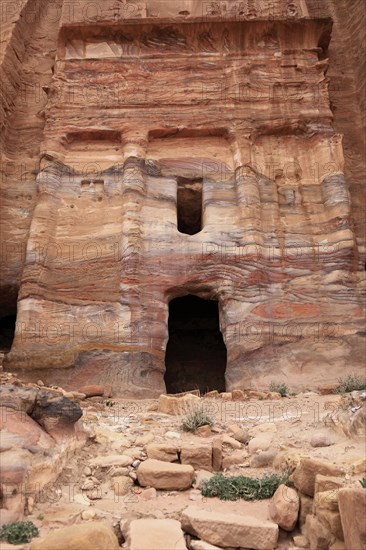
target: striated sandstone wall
<point>146,97</point>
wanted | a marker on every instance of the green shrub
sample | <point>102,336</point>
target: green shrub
<point>352,382</point>
<point>195,419</point>
<point>19,532</point>
<point>279,387</point>
<point>247,488</point>
<point>363,482</point>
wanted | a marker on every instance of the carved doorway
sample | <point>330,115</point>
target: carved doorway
<point>196,352</point>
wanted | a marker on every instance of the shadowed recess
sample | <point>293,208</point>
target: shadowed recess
<point>7,331</point>
<point>196,352</point>
<point>189,205</point>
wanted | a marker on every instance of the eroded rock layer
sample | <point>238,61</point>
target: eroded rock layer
<point>151,110</point>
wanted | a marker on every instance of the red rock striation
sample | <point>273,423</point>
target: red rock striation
<point>145,109</point>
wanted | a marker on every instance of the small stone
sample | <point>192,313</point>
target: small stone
<point>217,454</point>
<point>226,396</point>
<point>88,515</point>
<point>261,442</point>
<point>88,485</point>
<point>273,396</point>
<point>122,485</point>
<point>242,436</point>
<point>87,471</point>
<point>300,541</point>
<point>230,442</point>
<point>136,463</point>
<point>203,431</point>
<point>200,477</point>
<point>173,435</point>
<point>212,394</point>
<point>238,395</point>
<point>40,383</point>
<point>30,504</point>
<point>92,390</point>
<point>320,440</point>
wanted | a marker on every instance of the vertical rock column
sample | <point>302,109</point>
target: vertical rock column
<point>247,187</point>
<point>41,245</point>
<point>145,369</point>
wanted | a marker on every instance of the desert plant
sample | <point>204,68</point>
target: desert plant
<point>247,488</point>
<point>19,532</point>
<point>363,482</point>
<point>195,419</point>
<point>351,382</point>
<point>279,387</point>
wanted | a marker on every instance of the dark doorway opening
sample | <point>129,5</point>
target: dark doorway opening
<point>7,331</point>
<point>189,205</point>
<point>196,352</point>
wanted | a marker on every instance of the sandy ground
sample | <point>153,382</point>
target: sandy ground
<point>115,429</point>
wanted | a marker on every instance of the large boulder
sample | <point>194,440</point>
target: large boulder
<point>284,507</point>
<point>320,538</point>
<point>306,472</point>
<point>89,536</point>
<point>352,507</point>
<point>168,452</point>
<point>165,475</point>
<point>55,412</point>
<point>157,534</point>
<point>20,430</point>
<point>169,404</point>
<point>230,530</point>
<point>19,398</point>
<point>198,455</point>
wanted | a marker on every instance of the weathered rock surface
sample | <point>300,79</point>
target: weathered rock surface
<point>89,198</point>
<point>284,507</point>
<point>319,536</point>
<point>198,455</point>
<point>230,529</point>
<point>177,405</point>
<point>352,506</point>
<point>162,451</point>
<point>164,475</point>
<point>90,536</point>
<point>305,474</point>
<point>111,460</point>
<point>165,534</point>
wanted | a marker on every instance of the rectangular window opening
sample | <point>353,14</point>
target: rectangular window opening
<point>189,205</point>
